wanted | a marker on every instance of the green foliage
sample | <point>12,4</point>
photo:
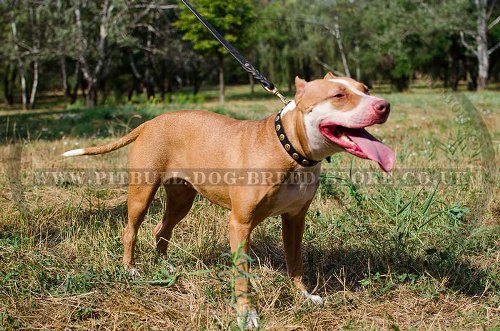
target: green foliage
<point>229,17</point>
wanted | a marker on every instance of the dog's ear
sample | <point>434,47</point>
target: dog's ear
<point>300,85</point>
<point>329,75</point>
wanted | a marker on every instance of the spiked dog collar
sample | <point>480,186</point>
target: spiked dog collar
<point>287,145</point>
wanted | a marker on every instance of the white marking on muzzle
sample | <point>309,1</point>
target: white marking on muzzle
<point>358,117</point>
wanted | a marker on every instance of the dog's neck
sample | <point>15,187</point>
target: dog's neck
<point>302,129</point>
<point>293,124</point>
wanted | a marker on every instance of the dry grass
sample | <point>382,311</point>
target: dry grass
<point>380,265</point>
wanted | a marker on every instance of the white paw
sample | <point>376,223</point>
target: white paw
<point>316,299</point>
<point>249,319</point>
<point>134,273</point>
<point>170,268</point>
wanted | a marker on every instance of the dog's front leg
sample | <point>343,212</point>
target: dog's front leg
<point>293,230</point>
<point>239,236</point>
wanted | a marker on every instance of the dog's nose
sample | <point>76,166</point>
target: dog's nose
<point>382,107</point>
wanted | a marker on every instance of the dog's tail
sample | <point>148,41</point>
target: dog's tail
<point>123,141</point>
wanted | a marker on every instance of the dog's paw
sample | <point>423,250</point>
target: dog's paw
<point>316,299</point>
<point>134,273</point>
<point>248,319</point>
<point>170,268</point>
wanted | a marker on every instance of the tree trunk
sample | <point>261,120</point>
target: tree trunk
<point>161,80</point>
<point>358,67</point>
<point>34,85</point>
<point>91,98</point>
<point>13,83</point>
<point>222,88</point>
<point>35,36</point>
<point>83,86</point>
<point>161,88</point>
<point>146,81</point>
<point>169,87</point>
<point>472,82</point>
<point>196,84</point>
<point>22,78</point>
<point>103,91</point>
<point>195,77</point>
<point>148,76</point>
<point>20,66</point>
<point>252,83</point>
<point>64,77</point>
<point>78,79</point>
<point>482,44</point>
<point>94,77</point>
<point>132,89</point>
<point>338,37</point>
<point>8,86</point>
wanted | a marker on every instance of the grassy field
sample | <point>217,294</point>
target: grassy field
<point>399,255</point>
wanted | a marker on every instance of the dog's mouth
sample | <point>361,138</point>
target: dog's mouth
<point>359,142</point>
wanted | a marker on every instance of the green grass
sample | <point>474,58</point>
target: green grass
<point>384,256</point>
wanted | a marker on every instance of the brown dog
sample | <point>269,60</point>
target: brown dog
<point>327,116</point>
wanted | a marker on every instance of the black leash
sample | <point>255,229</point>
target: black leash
<point>266,83</point>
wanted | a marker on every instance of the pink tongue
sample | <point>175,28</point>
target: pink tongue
<point>373,148</point>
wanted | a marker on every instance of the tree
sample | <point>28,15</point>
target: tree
<point>229,17</point>
<point>157,56</point>
<point>93,42</point>
<point>25,47</point>
<point>60,19</point>
<point>290,44</point>
<point>484,10</point>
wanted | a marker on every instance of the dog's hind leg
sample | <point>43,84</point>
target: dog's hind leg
<point>180,198</point>
<point>139,198</point>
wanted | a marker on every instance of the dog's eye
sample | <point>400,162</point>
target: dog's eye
<point>339,95</point>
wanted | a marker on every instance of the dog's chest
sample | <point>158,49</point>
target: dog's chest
<point>292,196</point>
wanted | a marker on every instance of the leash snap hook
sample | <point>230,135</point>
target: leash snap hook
<point>277,93</point>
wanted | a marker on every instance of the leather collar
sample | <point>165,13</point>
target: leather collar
<point>287,145</point>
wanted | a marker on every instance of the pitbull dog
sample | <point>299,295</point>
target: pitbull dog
<point>327,116</point>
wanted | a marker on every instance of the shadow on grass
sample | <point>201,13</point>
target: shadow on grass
<point>358,267</point>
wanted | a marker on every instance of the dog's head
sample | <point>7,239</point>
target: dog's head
<point>336,110</point>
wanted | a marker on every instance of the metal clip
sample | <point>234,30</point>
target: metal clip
<point>278,94</point>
